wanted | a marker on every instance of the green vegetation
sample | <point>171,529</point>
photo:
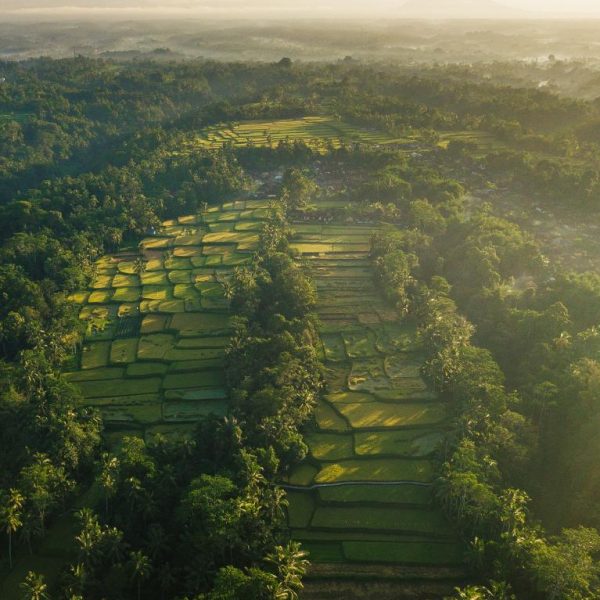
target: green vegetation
<point>221,282</point>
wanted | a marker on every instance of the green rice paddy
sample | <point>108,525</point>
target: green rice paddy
<point>364,493</point>
<point>152,361</point>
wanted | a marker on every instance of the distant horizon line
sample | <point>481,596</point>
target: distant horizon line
<point>143,14</point>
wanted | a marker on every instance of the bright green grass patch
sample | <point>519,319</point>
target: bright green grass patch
<point>248,226</point>
<point>383,494</point>
<point>210,289</point>
<point>311,247</point>
<point>207,379</point>
<point>102,282</point>
<point>176,263</point>
<point>376,469</point>
<point>187,252</point>
<point>95,354</point>
<point>96,374</point>
<point>100,296</point>
<point>235,259</point>
<point>172,306</point>
<point>300,509</point>
<point>413,553</point>
<point>149,306</point>
<point>303,474</point>
<point>146,369</point>
<point>155,346</point>
<point>127,294</point>
<point>156,243</point>
<point>158,278</point>
<point>180,276</point>
<point>78,297</point>
<point>328,419</point>
<point>412,520</point>
<point>123,351</point>
<point>157,292</point>
<point>379,414</point>
<point>120,387</point>
<point>398,443</point>
<point>217,227</point>
<point>333,346</point>
<point>193,325</point>
<point>123,280</point>
<point>154,323</point>
<point>183,291</point>
<point>349,398</point>
<point>330,446</point>
<point>129,309</point>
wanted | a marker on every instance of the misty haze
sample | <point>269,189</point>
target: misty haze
<point>299,300</point>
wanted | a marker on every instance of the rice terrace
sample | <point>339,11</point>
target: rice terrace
<point>152,363</point>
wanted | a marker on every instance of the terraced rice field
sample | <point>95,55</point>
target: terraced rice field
<point>364,494</point>
<point>152,361</point>
<point>318,132</point>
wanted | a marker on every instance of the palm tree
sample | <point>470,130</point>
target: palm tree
<point>10,517</point>
<point>34,587</point>
<point>291,564</point>
<point>141,567</point>
<point>108,477</point>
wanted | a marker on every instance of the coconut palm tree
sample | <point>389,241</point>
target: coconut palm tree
<point>291,564</point>
<point>140,567</point>
<point>10,516</point>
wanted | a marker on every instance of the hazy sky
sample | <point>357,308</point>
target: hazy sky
<point>261,8</point>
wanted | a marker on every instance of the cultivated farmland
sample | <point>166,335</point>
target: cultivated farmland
<point>364,494</point>
<point>319,132</point>
<point>158,322</point>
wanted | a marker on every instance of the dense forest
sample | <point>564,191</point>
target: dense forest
<point>92,158</point>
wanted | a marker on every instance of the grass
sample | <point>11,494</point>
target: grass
<point>330,446</point>
<point>120,387</point>
<point>123,351</point>
<point>300,509</point>
<point>303,474</point>
<point>409,553</point>
<point>328,419</point>
<point>192,411</point>
<point>409,520</point>
<point>388,494</point>
<point>376,469</point>
<point>387,415</point>
<point>96,374</point>
<point>202,379</point>
<point>397,443</point>
<point>333,346</point>
<point>155,346</point>
<point>95,354</point>
<point>360,345</point>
